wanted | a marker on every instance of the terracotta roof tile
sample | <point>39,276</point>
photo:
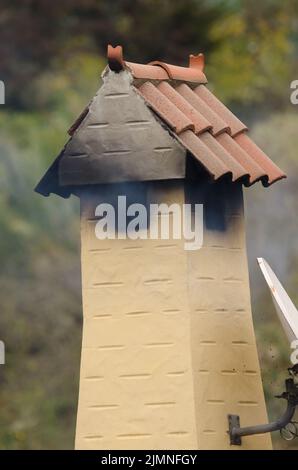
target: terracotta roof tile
<point>197,61</point>
<point>272,171</point>
<point>215,136</point>
<point>186,74</point>
<point>115,58</point>
<point>254,170</point>
<point>204,126</point>
<point>220,109</point>
<point>238,171</point>
<point>147,71</point>
<point>200,122</point>
<point>157,70</point>
<point>203,154</point>
<point>167,110</point>
<point>218,125</point>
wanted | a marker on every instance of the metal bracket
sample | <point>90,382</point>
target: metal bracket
<point>234,423</point>
<point>290,395</point>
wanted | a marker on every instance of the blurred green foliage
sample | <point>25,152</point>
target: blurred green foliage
<point>256,55</point>
<point>51,58</point>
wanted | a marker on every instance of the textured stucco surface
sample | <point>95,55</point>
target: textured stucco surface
<point>120,139</point>
<point>168,342</point>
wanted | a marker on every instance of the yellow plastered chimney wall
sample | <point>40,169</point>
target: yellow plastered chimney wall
<point>168,342</point>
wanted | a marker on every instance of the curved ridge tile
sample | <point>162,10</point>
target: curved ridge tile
<point>175,72</point>
<point>147,71</point>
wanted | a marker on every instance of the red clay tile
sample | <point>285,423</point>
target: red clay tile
<point>222,145</point>
<point>197,61</point>
<point>219,108</point>
<point>151,72</point>
<point>255,171</point>
<point>157,70</point>
<point>220,153</point>
<point>218,125</point>
<point>203,154</point>
<point>116,63</point>
<point>187,74</point>
<point>165,108</point>
<point>232,164</point>
<point>115,58</point>
<point>274,173</point>
<point>200,123</point>
<point>186,110</point>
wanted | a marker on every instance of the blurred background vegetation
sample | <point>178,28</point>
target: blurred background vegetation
<point>52,54</point>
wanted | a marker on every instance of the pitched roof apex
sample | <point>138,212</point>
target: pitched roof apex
<point>157,70</point>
